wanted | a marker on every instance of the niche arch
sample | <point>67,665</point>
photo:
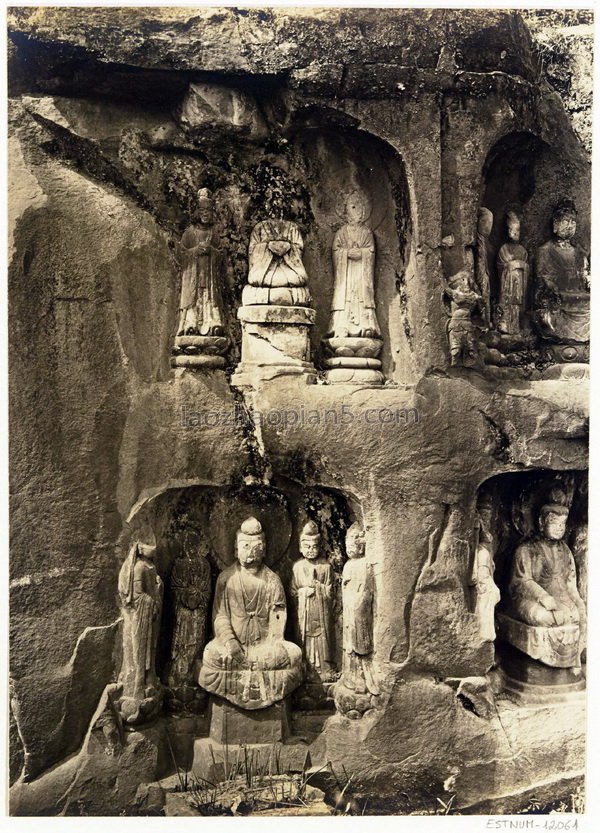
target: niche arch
<point>200,519</point>
<point>335,157</point>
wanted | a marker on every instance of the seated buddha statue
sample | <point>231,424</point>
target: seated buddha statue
<point>249,662</point>
<point>543,595</point>
<point>563,282</point>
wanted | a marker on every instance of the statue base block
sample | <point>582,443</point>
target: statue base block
<point>215,762</point>
<point>557,647</point>
<point>230,724</point>
<point>352,375</point>
<point>530,681</point>
<point>275,342</point>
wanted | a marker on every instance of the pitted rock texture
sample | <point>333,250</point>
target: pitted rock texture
<point>429,112</point>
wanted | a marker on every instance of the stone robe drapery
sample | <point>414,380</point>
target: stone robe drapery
<point>353,305</point>
<point>191,589</point>
<point>487,595</point>
<point>251,609</point>
<point>513,273</point>
<point>357,600</point>
<point>200,304</point>
<point>140,590</point>
<point>313,613</point>
<point>562,295</point>
<point>267,268</point>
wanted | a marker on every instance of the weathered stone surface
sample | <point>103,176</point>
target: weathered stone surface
<point>98,780</point>
<point>430,113</point>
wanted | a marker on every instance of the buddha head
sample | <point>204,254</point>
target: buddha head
<point>553,515</point>
<point>485,221</point>
<point>355,541</point>
<point>310,539</point>
<point>564,220</point>
<point>513,226</point>
<point>205,207</point>
<point>146,551</point>
<point>357,207</point>
<point>250,545</point>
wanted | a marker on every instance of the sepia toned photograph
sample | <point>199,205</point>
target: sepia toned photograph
<point>298,351</point>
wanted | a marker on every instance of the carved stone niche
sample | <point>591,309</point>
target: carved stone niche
<point>530,265</point>
<point>536,534</point>
<point>359,253</point>
<point>266,620</point>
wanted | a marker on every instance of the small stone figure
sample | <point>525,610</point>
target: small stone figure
<point>485,222</point>
<point>563,287</point>
<point>462,337</point>
<point>353,250</point>
<point>276,274</point>
<point>141,593</point>
<point>545,614</point>
<point>487,594</point>
<point>513,274</point>
<point>357,686</point>
<point>200,333</point>
<point>353,340</point>
<point>312,591</point>
<point>191,591</point>
<point>248,662</point>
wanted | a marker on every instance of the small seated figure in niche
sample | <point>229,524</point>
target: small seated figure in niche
<point>543,594</point>
<point>353,250</point>
<point>190,592</point>
<point>312,591</point>
<point>141,595</point>
<point>276,273</point>
<point>513,274</point>
<point>563,284</point>
<point>200,304</point>
<point>487,594</point>
<point>249,662</point>
<point>354,693</point>
<point>464,302</point>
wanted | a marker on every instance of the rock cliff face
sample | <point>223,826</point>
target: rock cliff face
<point>117,118</point>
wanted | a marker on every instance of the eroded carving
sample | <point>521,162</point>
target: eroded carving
<point>141,595</point>
<point>276,273</point>
<point>200,339</point>
<point>191,593</point>
<point>357,689</point>
<point>563,289</point>
<point>462,302</point>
